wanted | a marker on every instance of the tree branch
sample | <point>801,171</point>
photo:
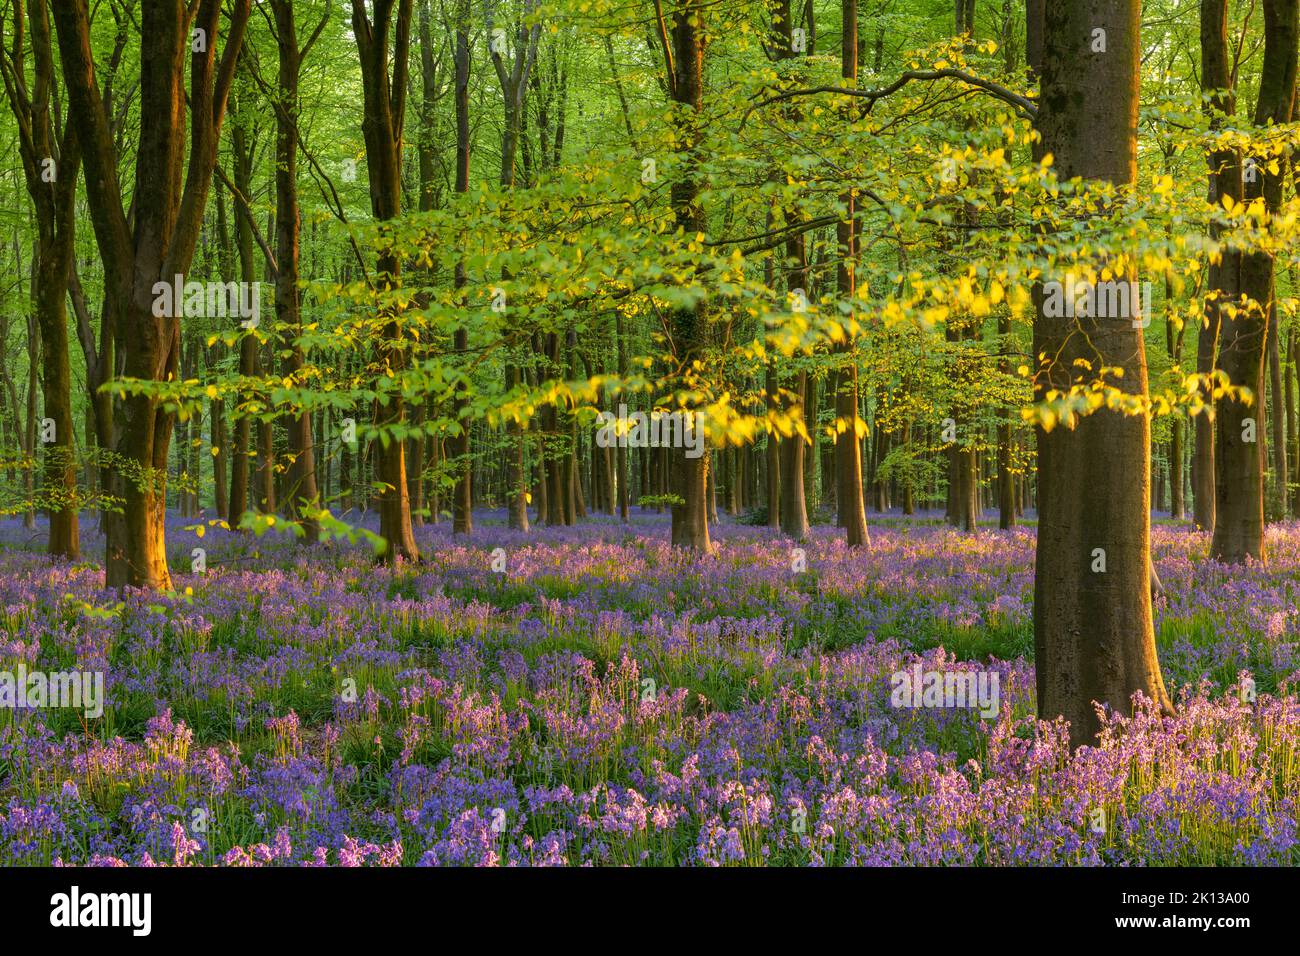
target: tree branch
<point>1026,107</point>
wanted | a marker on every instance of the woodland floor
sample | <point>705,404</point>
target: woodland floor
<point>607,700</point>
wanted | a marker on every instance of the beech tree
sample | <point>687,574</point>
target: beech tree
<point>1242,283</point>
<point>384,114</point>
<point>513,73</point>
<point>851,506</point>
<point>1093,634</point>
<point>301,477</point>
<point>51,159</point>
<point>683,42</point>
<point>462,501</point>
<point>167,219</point>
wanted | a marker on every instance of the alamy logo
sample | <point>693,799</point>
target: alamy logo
<point>133,910</point>
<point>219,300</point>
<point>656,430</point>
<point>947,689</point>
<point>80,690</point>
<point>1100,300</point>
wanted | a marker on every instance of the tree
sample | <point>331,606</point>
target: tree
<point>462,502</point>
<point>301,478</point>
<point>794,509</point>
<point>1093,634</point>
<point>242,145</point>
<point>848,452</point>
<point>1243,292</point>
<point>384,112</point>
<point>513,76</point>
<point>168,218</point>
<point>684,56</point>
<point>51,167</point>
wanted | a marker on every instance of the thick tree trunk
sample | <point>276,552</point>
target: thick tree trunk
<point>513,77</point>
<point>60,473</point>
<point>165,233</point>
<point>1093,633</point>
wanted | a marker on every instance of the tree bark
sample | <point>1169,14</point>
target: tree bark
<point>852,509</point>
<point>384,109</point>
<point>51,167</point>
<point>462,498</point>
<point>303,493</point>
<point>1249,286</point>
<point>167,222</point>
<point>1093,633</point>
<point>513,76</point>
<point>690,518</point>
<point>1224,180</point>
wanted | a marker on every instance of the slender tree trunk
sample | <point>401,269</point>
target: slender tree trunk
<point>621,452</point>
<point>1224,180</point>
<point>301,477</point>
<point>462,498</point>
<point>1239,479</point>
<point>794,511</point>
<point>51,167</point>
<point>1277,418</point>
<point>242,442</point>
<point>773,452</point>
<point>384,108</point>
<point>30,426</point>
<point>852,509</point>
<point>690,526</point>
<point>1174,345</point>
<point>1292,431</point>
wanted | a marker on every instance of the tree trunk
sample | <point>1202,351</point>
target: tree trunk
<point>851,508</point>
<point>51,168</point>
<point>773,451</point>
<point>162,242</point>
<point>303,494</point>
<point>1093,633</point>
<point>513,77</point>
<point>1292,427</point>
<point>384,108</point>
<point>242,442</point>
<point>690,518</point>
<point>1239,478</point>
<point>794,511</point>
<point>621,451</point>
<point>1224,180</point>
<point>1277,418</point>
<point>462,497</point>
